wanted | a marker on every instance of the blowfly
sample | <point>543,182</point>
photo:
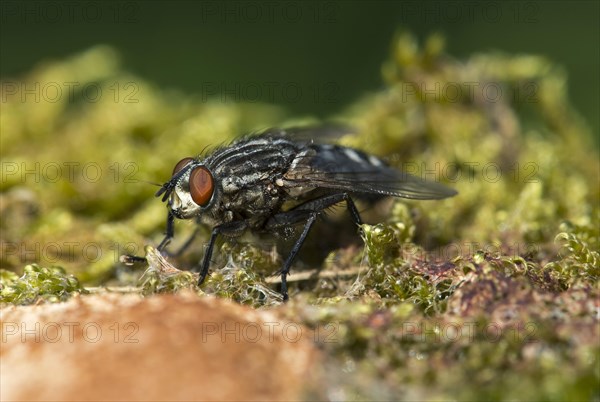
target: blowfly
<point>278,179</point>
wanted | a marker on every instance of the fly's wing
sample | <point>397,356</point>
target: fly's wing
<point>382,181</point>
<point>353,171</point>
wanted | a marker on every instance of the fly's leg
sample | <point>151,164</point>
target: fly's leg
<point>301,212</point>
<point>307,212</point>
<point>232,229</point>
<point>288,262</point>
<point>169,233</point>
<point>184,246</point>
<point>129,259</point>
<point>208,254</point>
<point>329,200</point>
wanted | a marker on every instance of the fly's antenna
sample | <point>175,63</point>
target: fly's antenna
<point>152,183</point>
<point>168,187</point>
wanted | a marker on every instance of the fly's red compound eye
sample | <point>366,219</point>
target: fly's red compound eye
<point>201,185</point>
<point>181,164</point>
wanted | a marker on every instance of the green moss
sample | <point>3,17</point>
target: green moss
<point>242,283</point>
<point>162,277</point>
<point>38,283</point>
<point>580,256</point>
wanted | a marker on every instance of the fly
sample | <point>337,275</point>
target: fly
<point>278,179</point>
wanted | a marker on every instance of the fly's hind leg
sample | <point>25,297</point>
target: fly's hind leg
<point>307,212</point>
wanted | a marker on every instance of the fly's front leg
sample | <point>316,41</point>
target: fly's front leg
<point>169,233</point>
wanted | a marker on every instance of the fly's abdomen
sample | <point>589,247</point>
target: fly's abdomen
<point>335,158</point>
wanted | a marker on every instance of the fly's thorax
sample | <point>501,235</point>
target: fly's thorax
<point>246,202</point>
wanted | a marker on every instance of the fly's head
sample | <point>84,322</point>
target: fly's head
<point>191,189</point>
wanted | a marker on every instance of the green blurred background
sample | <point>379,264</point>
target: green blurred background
<point>315,58</point>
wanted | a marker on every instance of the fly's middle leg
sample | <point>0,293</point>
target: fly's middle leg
<point>232,229</point>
